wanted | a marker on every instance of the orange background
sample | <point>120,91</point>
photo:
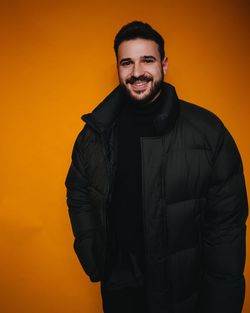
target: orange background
<point>57,63</point>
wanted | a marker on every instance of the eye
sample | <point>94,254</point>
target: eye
<point>148,60</point>
<point>126,63</point>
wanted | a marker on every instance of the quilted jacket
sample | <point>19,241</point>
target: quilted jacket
<point>194,205</point>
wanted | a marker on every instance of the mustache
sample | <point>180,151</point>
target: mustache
<point>141,78</point>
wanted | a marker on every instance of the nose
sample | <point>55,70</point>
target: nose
<point>137,70</point>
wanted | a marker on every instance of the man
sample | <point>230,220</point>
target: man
<point>156,193</point>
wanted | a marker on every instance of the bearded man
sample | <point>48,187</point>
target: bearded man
<point>156,193</point>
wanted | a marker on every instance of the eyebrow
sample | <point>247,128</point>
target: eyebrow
<point>143,57</point>
<point>149,57</point>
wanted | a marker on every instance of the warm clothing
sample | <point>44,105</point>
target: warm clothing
<point>126,202</point>
<point>125,300</point>
<point>194,205</point>
<point>126,243</point>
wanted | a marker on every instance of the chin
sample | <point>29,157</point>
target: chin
<point>140,97</point>
<point>145,97</point>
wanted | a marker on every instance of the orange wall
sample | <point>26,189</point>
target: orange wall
<point>57,63</point>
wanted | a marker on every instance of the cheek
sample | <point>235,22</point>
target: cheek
<point>123,74</point>
<point>158,73</point>
<point>155,72</point>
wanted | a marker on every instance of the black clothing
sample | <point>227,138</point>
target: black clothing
<point>126,200</point>
<point>125,300</point>
<point>125,212</point>
<point>194,205</point>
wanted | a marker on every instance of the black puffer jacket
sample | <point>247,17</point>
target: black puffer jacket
<point>194,205</point>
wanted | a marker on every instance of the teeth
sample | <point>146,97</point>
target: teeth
<point>141,83</point>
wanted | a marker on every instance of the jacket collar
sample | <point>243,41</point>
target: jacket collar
<point>105,114</point>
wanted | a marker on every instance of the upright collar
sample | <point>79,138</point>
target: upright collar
<point>105,114</point>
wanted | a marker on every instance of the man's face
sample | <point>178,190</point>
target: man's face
<point>140,69</point>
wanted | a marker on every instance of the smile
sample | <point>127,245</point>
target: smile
<point>140,85</point>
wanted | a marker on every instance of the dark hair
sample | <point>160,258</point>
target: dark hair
<point>137,29</point>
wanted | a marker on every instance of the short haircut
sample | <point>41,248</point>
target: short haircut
<point>137,29</point>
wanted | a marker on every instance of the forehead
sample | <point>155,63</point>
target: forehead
<point>136,48</point>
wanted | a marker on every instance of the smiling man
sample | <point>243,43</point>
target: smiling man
<point>140,74</point>
<point>156,193</point>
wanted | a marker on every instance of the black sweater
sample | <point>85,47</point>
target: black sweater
<point>126,213</point>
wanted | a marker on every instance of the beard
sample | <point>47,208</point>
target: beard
<point>154,89</point>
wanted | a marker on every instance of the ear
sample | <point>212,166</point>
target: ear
<point>165,65</point>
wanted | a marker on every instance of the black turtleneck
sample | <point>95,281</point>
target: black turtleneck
<point>126,212</point>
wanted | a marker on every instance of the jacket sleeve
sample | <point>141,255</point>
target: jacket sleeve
<point>224,232</point>
<point>80,211</point>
